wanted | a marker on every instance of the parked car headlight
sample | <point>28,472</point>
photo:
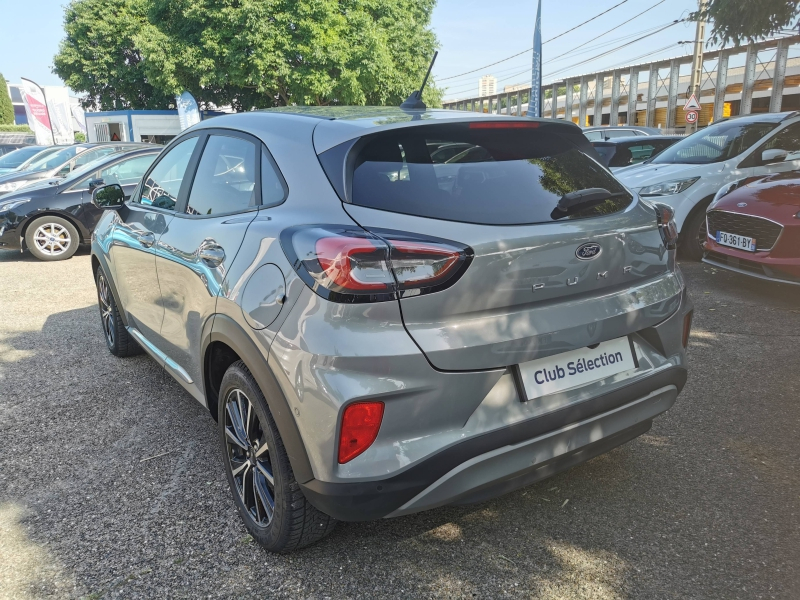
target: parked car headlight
<point>11,186</point>
<point>668,188</point>
<point>723,191</point>
<point>12,204</point>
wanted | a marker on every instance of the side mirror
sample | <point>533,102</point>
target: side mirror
<point>108,197</point>
<point>775,155</point>
<point>95,183</point>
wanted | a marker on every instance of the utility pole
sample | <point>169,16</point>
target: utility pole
<point>697,59</point>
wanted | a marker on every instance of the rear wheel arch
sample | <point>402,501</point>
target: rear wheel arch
<point>224,345</point>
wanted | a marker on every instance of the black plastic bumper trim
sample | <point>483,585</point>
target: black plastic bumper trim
<point>368,500</point>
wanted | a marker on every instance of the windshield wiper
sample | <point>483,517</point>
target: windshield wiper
<point>581,200</point>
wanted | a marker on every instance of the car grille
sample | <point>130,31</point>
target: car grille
<point>766,232</point>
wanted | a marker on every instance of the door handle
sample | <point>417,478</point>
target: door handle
<point>211,253</point>
<point>146,239</point>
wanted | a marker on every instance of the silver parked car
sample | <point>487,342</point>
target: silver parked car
<point>378,333</point>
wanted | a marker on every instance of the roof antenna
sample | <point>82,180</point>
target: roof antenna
<point>414,101</point>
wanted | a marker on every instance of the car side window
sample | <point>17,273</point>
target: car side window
<point>594,136</point>
<point>273,189</point>
<point>161,187</point>
<point>225,181</point>
<point>128,171</point>
<point>787,139</point>
<point>92,155</point>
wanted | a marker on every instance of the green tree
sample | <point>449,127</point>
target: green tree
<point>6,108</point>
<point>247,53</point>
<point>99,56</point>
<point>747,20</point>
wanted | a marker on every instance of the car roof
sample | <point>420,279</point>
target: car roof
<point>639,139</point>
<point>763,117</point>
<point>339,124</point>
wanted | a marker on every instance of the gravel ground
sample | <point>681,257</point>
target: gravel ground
<point>703,506</point>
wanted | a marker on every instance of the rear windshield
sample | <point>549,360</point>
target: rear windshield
<point>486,173</point>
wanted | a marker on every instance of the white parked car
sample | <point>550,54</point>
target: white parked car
<point>687,175</point>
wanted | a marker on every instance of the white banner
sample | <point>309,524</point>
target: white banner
<point>78,116</point>
<point>188,113</point>
<point>36,109</point>
<point>60,113</point>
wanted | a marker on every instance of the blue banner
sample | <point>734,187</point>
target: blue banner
<point>535,104</point>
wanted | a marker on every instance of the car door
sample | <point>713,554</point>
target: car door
<point>194,255</point>
<point>141,223</point>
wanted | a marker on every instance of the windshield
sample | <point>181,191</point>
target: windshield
<point>52,160</point>
<point>84,169</point>
<point>14,159</point>
<point>48,152</point>
<point>715,144</point>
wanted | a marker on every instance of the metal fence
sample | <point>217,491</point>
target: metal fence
<point>759,77</point>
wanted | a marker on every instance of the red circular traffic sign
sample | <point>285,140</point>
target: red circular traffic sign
<point>691,116</point>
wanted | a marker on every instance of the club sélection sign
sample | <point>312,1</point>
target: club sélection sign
<point>577,367</point>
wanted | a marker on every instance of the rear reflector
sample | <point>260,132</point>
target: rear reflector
<point>360,424</point>
<point>687,328</point>
<point>503,125</point>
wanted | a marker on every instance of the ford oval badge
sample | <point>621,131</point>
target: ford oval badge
<point>588,251</point>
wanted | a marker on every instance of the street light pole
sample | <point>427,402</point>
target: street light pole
<point>697,60</point>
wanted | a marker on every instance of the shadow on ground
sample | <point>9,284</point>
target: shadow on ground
<point>113,487</point>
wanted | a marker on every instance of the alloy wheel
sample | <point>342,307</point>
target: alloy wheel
<point>249,458</point>
<point>106,309</point>
<point>52,239</point>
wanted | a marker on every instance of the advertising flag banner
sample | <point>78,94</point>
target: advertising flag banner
<point>188,113</point>
<point>36,109</point>
<point>78,117</point>
<point>535,104</point>
<point>60,114</point>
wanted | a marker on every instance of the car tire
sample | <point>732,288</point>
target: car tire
<point>119,341</point>
<point>692,238</point>
<point>275,513</point>
<point>52,238</point>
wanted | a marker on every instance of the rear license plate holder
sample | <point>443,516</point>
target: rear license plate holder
<point>576,368</point>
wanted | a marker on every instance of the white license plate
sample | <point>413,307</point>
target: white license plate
<point>736,241</point>
<point>577,367</point>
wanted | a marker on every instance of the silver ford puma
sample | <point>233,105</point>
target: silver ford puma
<point>392,310</point>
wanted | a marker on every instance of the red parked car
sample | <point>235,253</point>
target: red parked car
<point>754,228</point>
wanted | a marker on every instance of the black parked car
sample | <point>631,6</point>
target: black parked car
<point>52,217</point>
<point>7,148</point>
<point>12,160</point>
<point>60,163</point>
<point>627,151</point>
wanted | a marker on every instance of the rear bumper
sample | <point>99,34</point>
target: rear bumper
<point>505,459</point>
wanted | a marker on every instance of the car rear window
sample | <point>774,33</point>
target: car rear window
<point>493,173</point>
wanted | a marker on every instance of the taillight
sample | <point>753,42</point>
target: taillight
<point>666,225</point>
<point>361,422</point>
<point>348,264</point>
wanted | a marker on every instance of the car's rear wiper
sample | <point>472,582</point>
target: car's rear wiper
<point>581,200</point>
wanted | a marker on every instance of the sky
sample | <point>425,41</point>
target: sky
<point>471,34</point>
